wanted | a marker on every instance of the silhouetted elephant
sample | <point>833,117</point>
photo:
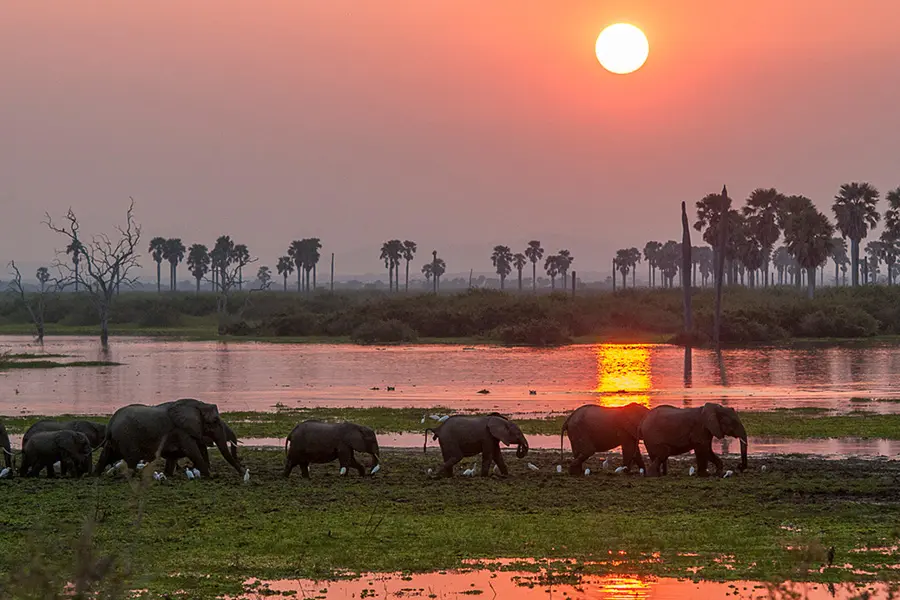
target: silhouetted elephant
<point>594,428</point>
<point>319,442</point>
<point>463,435</point>
<point>5,447</point>
<point>173,452</point>
<point>668,431</point>
<point>95,432</point>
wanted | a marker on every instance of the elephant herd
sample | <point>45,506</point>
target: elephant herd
<point>138,434</point>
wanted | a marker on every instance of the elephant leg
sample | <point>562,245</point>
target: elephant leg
<point>103,460</point>
<point>487,456</point>
<point>702,460</point>
<point>451,458</point>
<point>631,452</point>
<point>656,466</point>
<point>63,468</point>
<point>171,465</point>
<point>577,464</point>
<point>304,470</point>
<point>288,467</point>
<point>356,465</point>
<point>192,451</point>
<point>51,472</point>
<point>716,461</point>
<point>498,458</point>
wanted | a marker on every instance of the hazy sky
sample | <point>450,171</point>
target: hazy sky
<point>459,124</point>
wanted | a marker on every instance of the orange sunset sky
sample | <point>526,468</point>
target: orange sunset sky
<point>459,124</point>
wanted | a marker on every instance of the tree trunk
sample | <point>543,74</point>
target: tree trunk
<point>686,270</point>
<point>854,261</point>
<point>553,282</point>
<point>104,326</point>
<point>299,279</point>
<point>158,277</point>
<point>198,284</point>
<point>717,320</point>
<point>810,282</point>
<point>407,276</point>
<point>285,281</point>
<point>391,277</point>
<point>315,272</point>
<point>502,282</point>
<point>649,274</point>
<point>624,281</point>
<point>520,280</point>
<point>633,273</point>
<point>533,276</point>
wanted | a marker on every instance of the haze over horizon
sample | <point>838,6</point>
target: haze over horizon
<point>459,125</point>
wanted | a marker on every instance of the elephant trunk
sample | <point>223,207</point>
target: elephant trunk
<point>522,450</point>
<point>222,445</point>
<point>742,435</point>
<point>374,451</point>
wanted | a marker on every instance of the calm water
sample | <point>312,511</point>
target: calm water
<point>255,376</point>
<point>528,586</point>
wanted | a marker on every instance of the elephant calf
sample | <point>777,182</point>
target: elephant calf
<point>173,451</point>
<point>70,448</point>
<point>95,432</point>
<point>463,435</point>
<point>594,428</point>
<point>319,442</point>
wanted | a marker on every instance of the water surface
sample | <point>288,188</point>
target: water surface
<point>261,376</point>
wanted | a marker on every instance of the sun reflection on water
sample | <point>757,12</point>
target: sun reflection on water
<point>623,373</point>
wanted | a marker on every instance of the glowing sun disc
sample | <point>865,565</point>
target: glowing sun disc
<point>622,48</point>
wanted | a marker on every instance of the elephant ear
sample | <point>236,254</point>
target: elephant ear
<point>710,417</point>
<point>188,417</point>
<point>501,429</point>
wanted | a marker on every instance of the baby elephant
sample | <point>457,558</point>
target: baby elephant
<point>319,442</point>
<point>462,435</point>
<point>70,448</point>
<point>93,430</point>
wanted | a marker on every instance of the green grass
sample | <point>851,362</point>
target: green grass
<point>803,423</point>
<point>207,537</point>
<point>6,365</point>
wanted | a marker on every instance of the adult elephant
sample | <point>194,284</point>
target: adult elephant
<point>173,451</point>
<point>464,435</point>
<point>5,447</point>
<point>319,442</point>
<point>668,431</point>
<point>592,428</point>
<point>138,432</point>
<point>70,448</point>
<point>95,432</point>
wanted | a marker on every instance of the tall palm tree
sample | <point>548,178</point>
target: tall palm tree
<point>198,262</point>
<point>221,256</point>
<point>713,211</point>
<point>311,258</point>
<point>669,261</point>
<point>634,257</point>
<point>428,271</point>
<point>156,250</point>
<point>704,260</point>
<point>623,263</point>
<point>874,251</point>
<point>761,211</point>
<point>750,252</point>
<point>408,252</point>
<point>174,253</point>
<point>839,256</point>
<point>440,267</point>
<point>75,249</point>
<point>241,255</point>
<point>391,254</point>
<point>889,250</point>
<point>808,238</point>
<point>892,214</point>
<point>502,258</point>
<point>296,253</point>
<point>519,262</point>
<point>285,267</point>
<point>564,262</point>
<point>651,253</point>
<point>782,260</point>
<point>551,266</point>
<point>534,253</point>
<point>855,211</point>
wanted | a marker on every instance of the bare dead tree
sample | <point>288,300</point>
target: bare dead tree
<point>34,302</point>
<point>105,263</point>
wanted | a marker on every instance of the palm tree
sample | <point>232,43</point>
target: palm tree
<point>782,260</point>
<point>428,271</point>
<point>839,256</point>
<point>704,259</point>
<point>761,212</point>
<point>311,258</point>
<point>264,275</point>
<point>408,252</point>
<point>713,210</point>
<point>285,267</point>
<point>892,214</point>
<point>43,276</point>
<point>564,261</point>
<point>75,249</point>
<point>391,253</point>
<point>502,258</point>
<point>519,262</point>
<point>634,257</point>
<point>156,250</point>
<point>173,251</point>
<point>874,251</point>
<point>295,252</point>
<point>220,257</point>
<point>651,253</point>
<point>669,261</point>
<point>551,266</point>
<point>198,262</point>
<point>889,249</point>
<point>534,253</point>
<point>808,238</point>
<point>855,211</point>
<point>241,255</point>
<point>623,263</point>
<point>750,252</point>
<point>440,267</point>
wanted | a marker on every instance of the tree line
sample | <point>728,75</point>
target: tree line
<point>767,216</point>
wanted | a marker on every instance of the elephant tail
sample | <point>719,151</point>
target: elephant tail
<point>287,442</point>
<point>425,445</point>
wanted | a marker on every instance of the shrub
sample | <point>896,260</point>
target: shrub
<point>160,315</point>
<point>390,331</point>
<point>537,332</point>
<point>840,322</point>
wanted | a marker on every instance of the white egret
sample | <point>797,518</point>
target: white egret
<point>343,470</point>
<point>533,467</point>
<point>728,473</point>
<point>375,469</point>
<point>247,476</point>
<point>189,474</point>
<point>606,463</point>
<point>559,468</point>
<point>587,471</point>
<point>196,473</point>
<point>620,470</point>
<point>692,472</point>
<point>5,472</point>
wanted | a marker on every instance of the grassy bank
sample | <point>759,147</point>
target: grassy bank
<point>42,361</point>
<point>750,315</point>
<point>207,537</point>
<point>791,424</point>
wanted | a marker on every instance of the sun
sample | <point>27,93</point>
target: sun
<point>622,48</point>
